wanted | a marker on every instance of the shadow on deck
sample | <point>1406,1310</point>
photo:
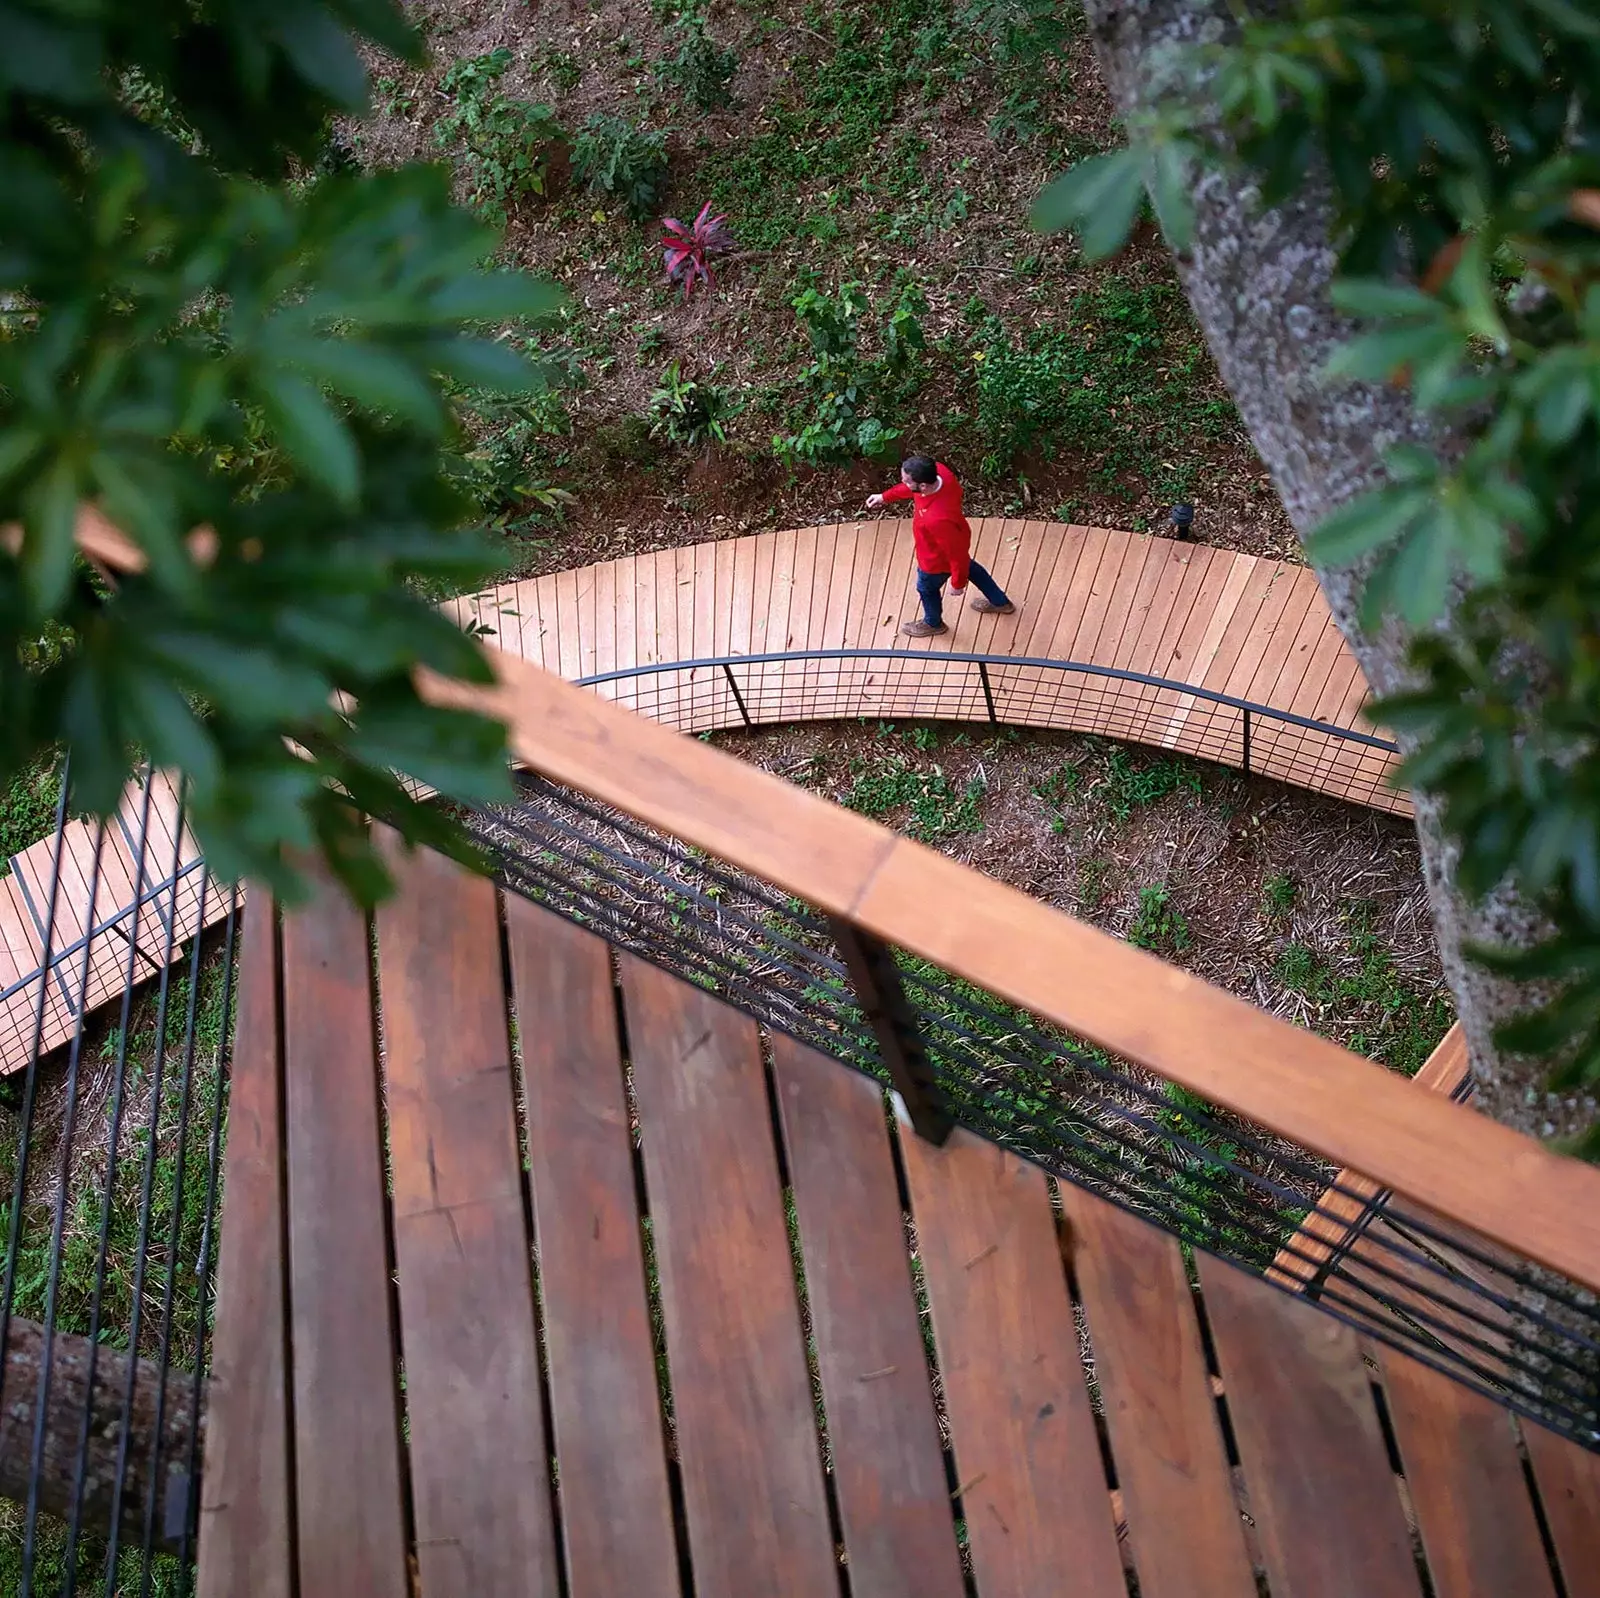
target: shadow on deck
<point>546,1271</point>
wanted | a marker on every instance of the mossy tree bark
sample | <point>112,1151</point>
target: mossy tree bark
<point>1258,278</point>
<point>111,1417</point>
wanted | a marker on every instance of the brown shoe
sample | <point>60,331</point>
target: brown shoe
<point>920,629</point>
<point>984,608</point>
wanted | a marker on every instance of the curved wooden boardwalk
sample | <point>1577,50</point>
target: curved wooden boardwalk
<point>1111,602</point>
<point>1123,607</point>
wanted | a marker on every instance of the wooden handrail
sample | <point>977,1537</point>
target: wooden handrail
<point>1499,1182</point>
<point>1344,1207</point>
<point>1483,1175</point>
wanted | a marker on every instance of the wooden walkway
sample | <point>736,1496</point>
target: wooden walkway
<point>99,916</point>
<point>571,1291</point>
<point>1195,616</point>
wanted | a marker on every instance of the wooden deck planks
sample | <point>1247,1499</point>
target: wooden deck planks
<point>307,1473</point>
<point>480,1475</point>
<point>1465,1477</point>
<point>1322,1493</point>
<point>1033,1489</point>
<point>752,1478</point>
<point>348,1471</point>
<point>605,1407</point>
<point>893,1496</point>
<point>1183,1520</point>
<point>1568,1479</point>
<point>245,1511</point>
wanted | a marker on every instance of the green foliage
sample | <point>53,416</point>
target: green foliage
<point>1395,1023</point>
<point>1120,380</point>
<point>847,390</point>
<point>28,807</point>
<point>505,472</point>
<point>1462,150</point>
<point>685,411</point>
<point>506,144</point>
<point>175,319</point>
<point>619,161</point>
<point>702,70</point>
<point>1158,924</point>
<point>1279,892</point>
<point>1134,781</point>
<point>935,809</point>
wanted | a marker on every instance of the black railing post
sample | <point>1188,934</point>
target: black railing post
<point>738,698</point>
<point>883,1002</point>
<point>988,692</point>
<point>1247,743</point>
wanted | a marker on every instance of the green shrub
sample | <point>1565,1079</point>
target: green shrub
<point>505,144</point>
<point>620,161</point>
<point>847,392</point>
<point>28,808</point>
<point>683,411</point>
<point>702,70</point>
<point>1132,782</point>
<point>1280,891</point>
<point>1157,924</point>
<point>504,472</point>
<point>936,810</point>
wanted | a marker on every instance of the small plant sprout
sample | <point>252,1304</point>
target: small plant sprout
<point>687,251</point>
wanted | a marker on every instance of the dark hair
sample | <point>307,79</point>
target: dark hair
<point>920,468</point>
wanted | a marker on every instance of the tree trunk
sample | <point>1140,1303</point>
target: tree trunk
<point>1258,281</point>
<point>110,1416</point>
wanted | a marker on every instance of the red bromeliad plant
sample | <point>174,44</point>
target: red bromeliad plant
<point>688,250</point>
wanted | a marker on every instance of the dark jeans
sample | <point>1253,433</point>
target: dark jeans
<point>930,588</point>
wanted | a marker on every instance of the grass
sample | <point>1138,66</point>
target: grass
<point>1279,891</point>
<point>28,808</point>
<point>1397,1024</point>
<point>932,808</point>
<point>1134,781</point>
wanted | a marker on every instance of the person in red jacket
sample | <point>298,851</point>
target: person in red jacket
<point>943,537</point>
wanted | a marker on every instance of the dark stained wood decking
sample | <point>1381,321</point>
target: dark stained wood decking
<point>541,1274</point>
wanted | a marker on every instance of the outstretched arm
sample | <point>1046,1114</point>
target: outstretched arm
<point>890,496</point>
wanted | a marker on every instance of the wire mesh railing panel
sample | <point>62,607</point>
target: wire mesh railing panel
<point>935,685</point>
<point>1214,1180</point>
<point>111,1135</point>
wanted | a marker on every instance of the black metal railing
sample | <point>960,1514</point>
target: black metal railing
<point>955,1055</point>
<point>111,1136</point>
<point>725,691</point>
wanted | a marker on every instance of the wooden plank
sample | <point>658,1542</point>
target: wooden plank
<point>1465,1477</point>
<point>346,1427</point>
<point>480,1482</point>
<point>605,1409</point>
<point>1568,1479</point>
<point>1034,1492</point>
<point>1172,1465</point>
<point>586,586</point>
<point>887,1464</point>
<point>1321,1489</point>
<point>1483,1175</point>
<point>245,1541</point>
<point>1342,1206</point>
<point>747,1443</point>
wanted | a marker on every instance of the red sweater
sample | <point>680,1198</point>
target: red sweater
<point>943,536</point>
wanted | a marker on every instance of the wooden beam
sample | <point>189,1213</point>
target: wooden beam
<point>1344,1205</point>
<point>1498,1182</point>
